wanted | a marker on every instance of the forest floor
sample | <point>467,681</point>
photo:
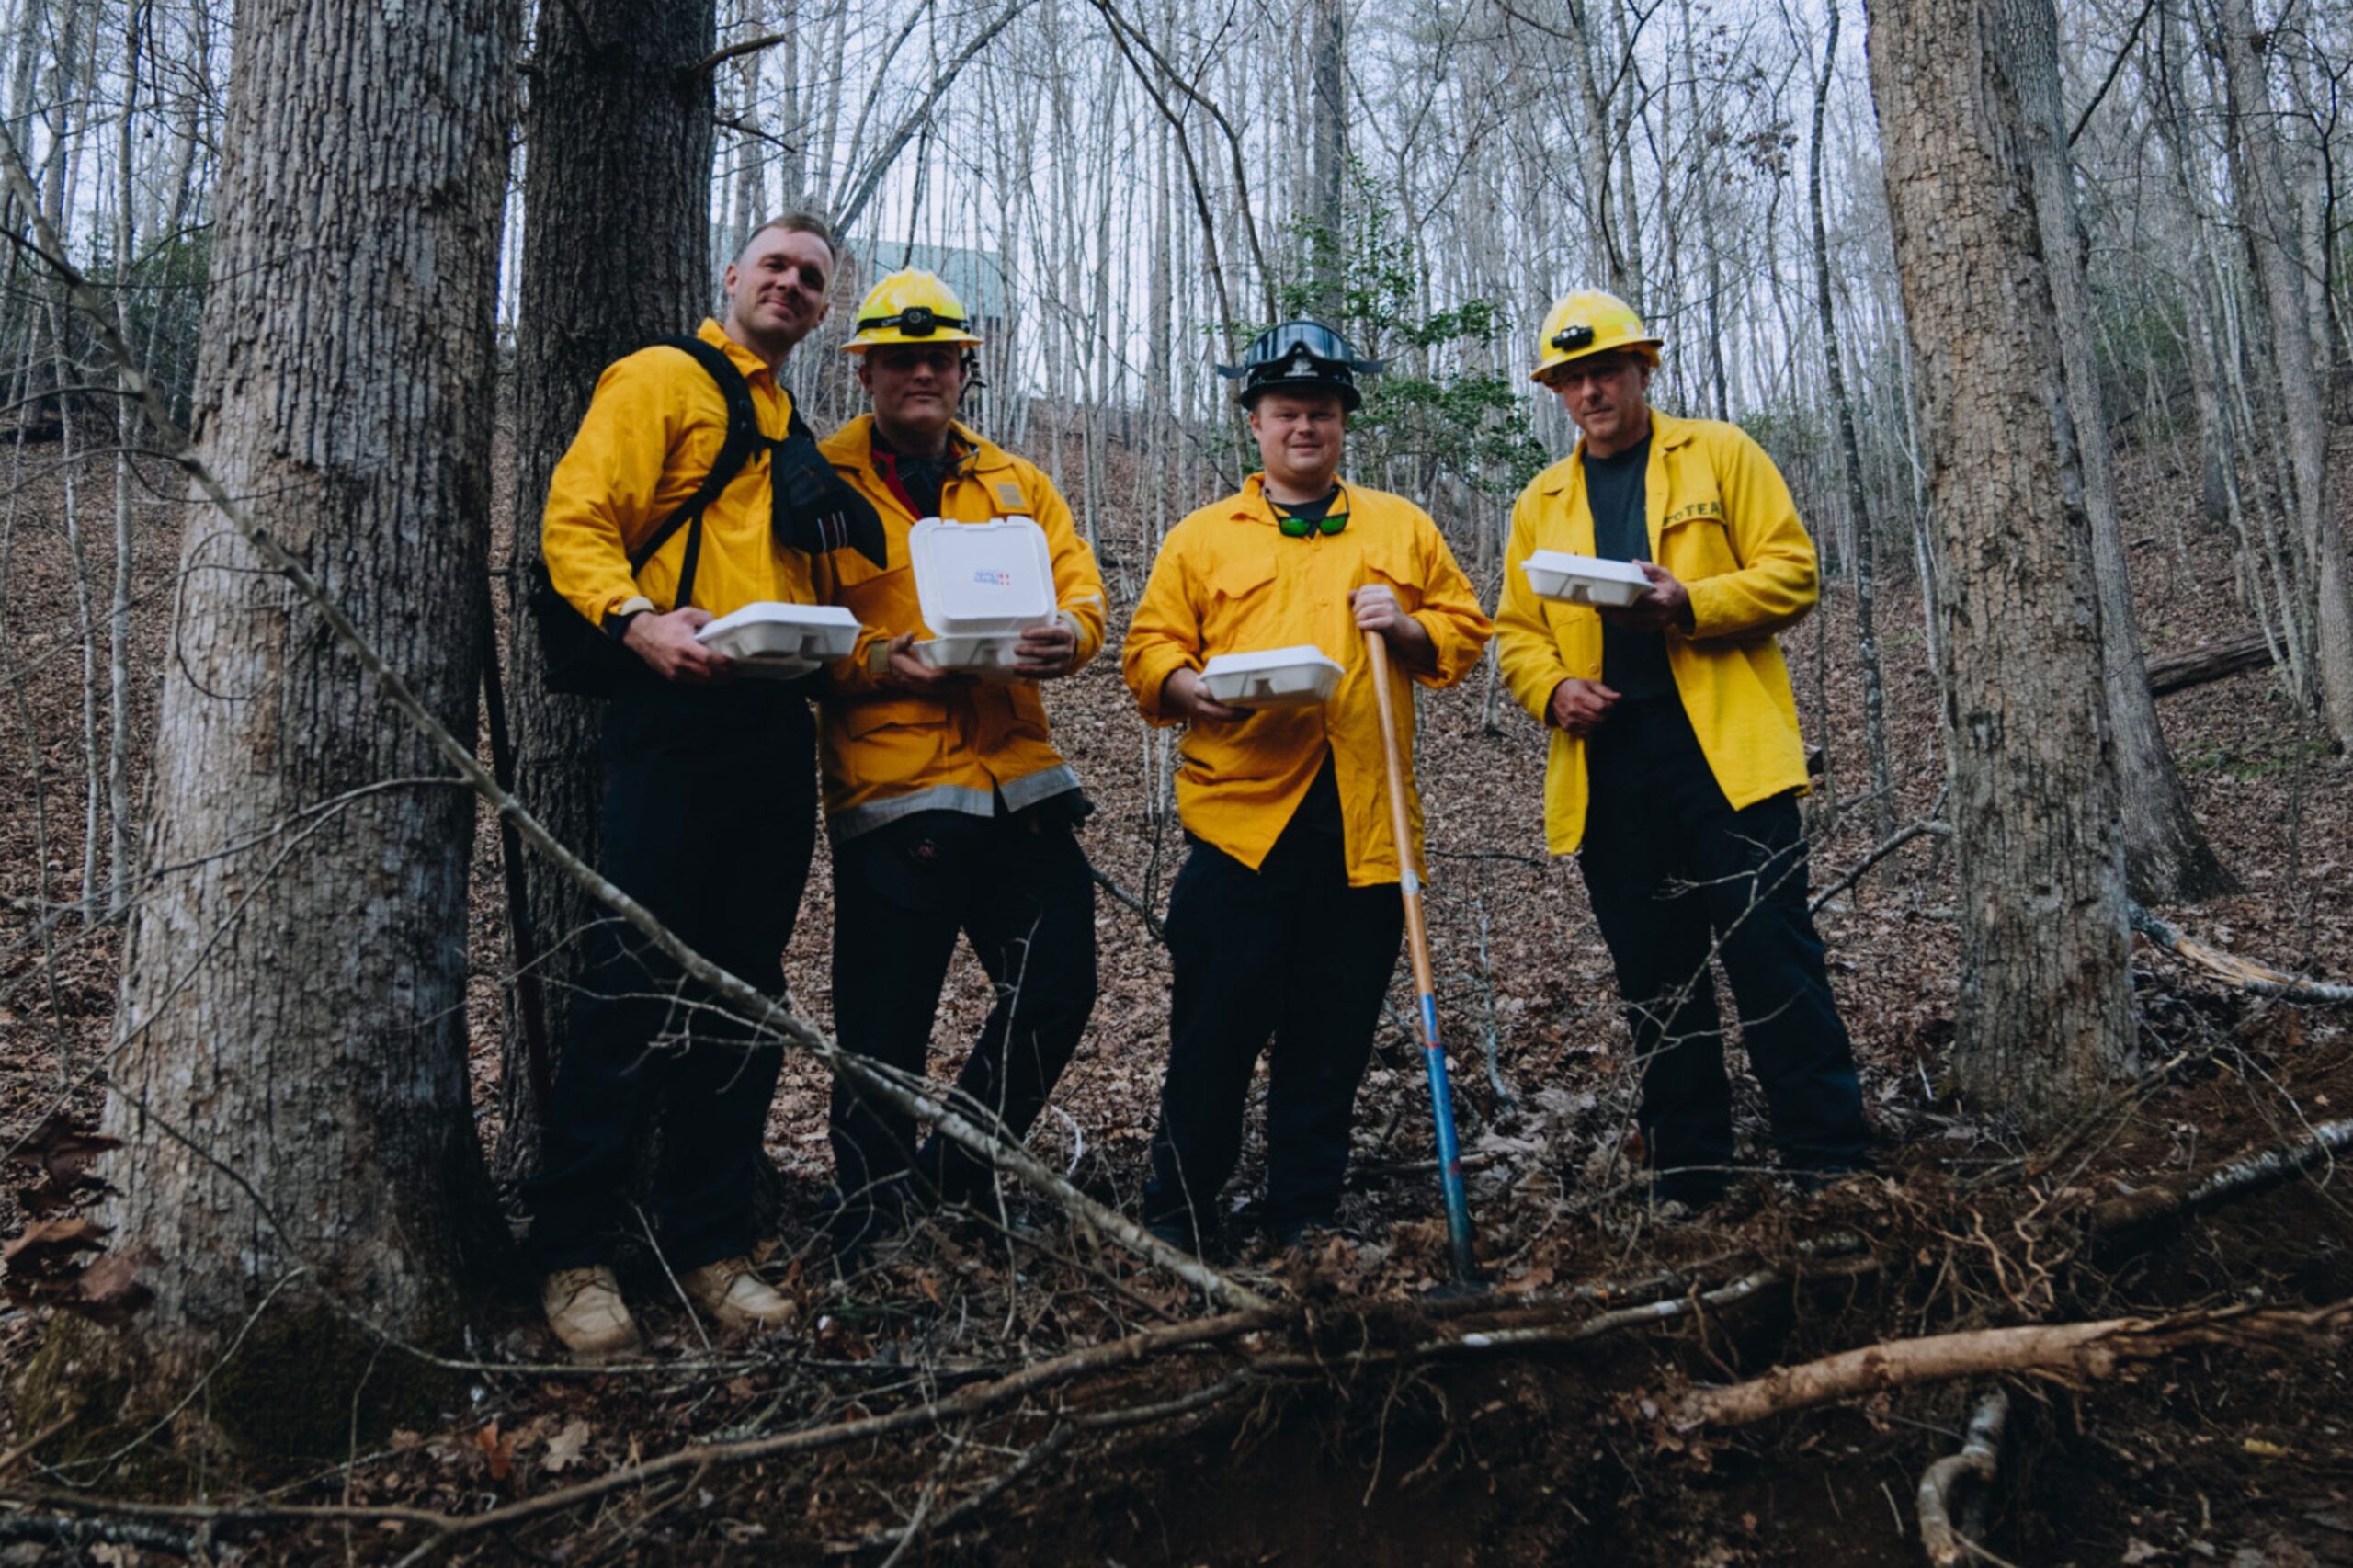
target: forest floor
<point>1374,1419</point>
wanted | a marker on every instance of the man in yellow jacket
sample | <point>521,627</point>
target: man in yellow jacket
<point>1676,759</point>
<point>708,811</point>
<point>949,807</point>
<point>1285,920</point>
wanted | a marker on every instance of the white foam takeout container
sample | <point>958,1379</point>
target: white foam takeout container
<point>1298,676</point>
<point>781,640</point>
<point>1584,579</point>
<point>988,654</point>
<point>974,578</point>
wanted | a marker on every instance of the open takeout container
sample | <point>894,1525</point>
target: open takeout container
<point>1300,676</point>
<point>781,640</point>
<point>981,578</point>
<point>1584,579</point>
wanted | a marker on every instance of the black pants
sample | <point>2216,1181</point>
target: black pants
<point>1670,867</point>
<point>1019,887</point>
<point>1289,951</point>
<point>709,818</point>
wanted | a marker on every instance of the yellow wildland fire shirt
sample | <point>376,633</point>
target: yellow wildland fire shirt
<point>1721,520</point>
<point>652,432</point>
<point>1228,581</point>
<point>887,752</point>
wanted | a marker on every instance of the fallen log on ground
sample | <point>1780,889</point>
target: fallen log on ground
<point>2071,1351</point>
<point>2170,672</point>
<point>2243,973</point>
<point>1980,1456</point>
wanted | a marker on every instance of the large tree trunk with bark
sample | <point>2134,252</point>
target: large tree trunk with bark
<point>299,1178</point>
<point>615,254</point>
<point>2165,853</point>
<point>2045,1009</point>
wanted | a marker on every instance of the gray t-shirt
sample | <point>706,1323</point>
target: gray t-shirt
<point>1633,663</point>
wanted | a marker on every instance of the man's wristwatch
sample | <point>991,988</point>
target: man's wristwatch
<point>617,618</point>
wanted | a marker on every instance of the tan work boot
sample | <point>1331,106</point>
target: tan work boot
<point>736,1296</point>
<point>585,1311</point>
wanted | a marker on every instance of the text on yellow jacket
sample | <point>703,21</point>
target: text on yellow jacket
<point>888,754</point>
<point>1228,581</point>
<point>1721,520</point>
<point>649,438</point>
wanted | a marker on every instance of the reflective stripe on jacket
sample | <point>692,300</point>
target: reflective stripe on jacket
<point>888,754</point>
<point>646,445</point>
<point>1227,581</point>
<point>1721,520</point>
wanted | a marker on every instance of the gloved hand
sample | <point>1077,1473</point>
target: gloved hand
<point>816,510</point>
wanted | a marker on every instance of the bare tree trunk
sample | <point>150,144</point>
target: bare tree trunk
<point>298,1180</point>
<point>615,254</point>
<point>1330,44</point>
<point>2045,1010</point>
<point>1865,543</point>
<point>127,424</point>
<point>2165,853</point>
<point>2272,232</point>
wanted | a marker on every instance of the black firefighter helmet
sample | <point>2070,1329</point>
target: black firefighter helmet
<point>1300,356</point>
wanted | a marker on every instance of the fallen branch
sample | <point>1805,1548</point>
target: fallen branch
<point>2242,1178</point>
<point>1980,1455</point>
<point>2241,972</point>
<point>2071,1350</point>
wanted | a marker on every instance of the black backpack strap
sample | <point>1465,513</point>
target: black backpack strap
<point>735,450</point>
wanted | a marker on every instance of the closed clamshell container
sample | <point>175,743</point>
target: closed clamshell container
<point>973,578</point>
<point>1299,677</point>
<point>781,640</point>
<point>1584,579</point>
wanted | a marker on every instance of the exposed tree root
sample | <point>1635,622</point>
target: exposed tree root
<point>1979,1457</point>
<point>2071,1351</point>
<point>2241,972</point>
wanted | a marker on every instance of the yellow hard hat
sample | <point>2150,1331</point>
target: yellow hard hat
<point>911,306</point>
<point>1590,322</point>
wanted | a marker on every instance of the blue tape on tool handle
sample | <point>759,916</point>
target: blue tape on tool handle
<point>1450,1158</point>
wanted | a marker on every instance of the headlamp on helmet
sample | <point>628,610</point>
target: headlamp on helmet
<point>911,306</point>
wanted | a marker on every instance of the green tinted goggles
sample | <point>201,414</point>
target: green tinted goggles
<point>1305,527</point>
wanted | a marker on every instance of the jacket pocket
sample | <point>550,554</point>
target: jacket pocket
<point>1242,578</point>
<point>1693,541</point>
